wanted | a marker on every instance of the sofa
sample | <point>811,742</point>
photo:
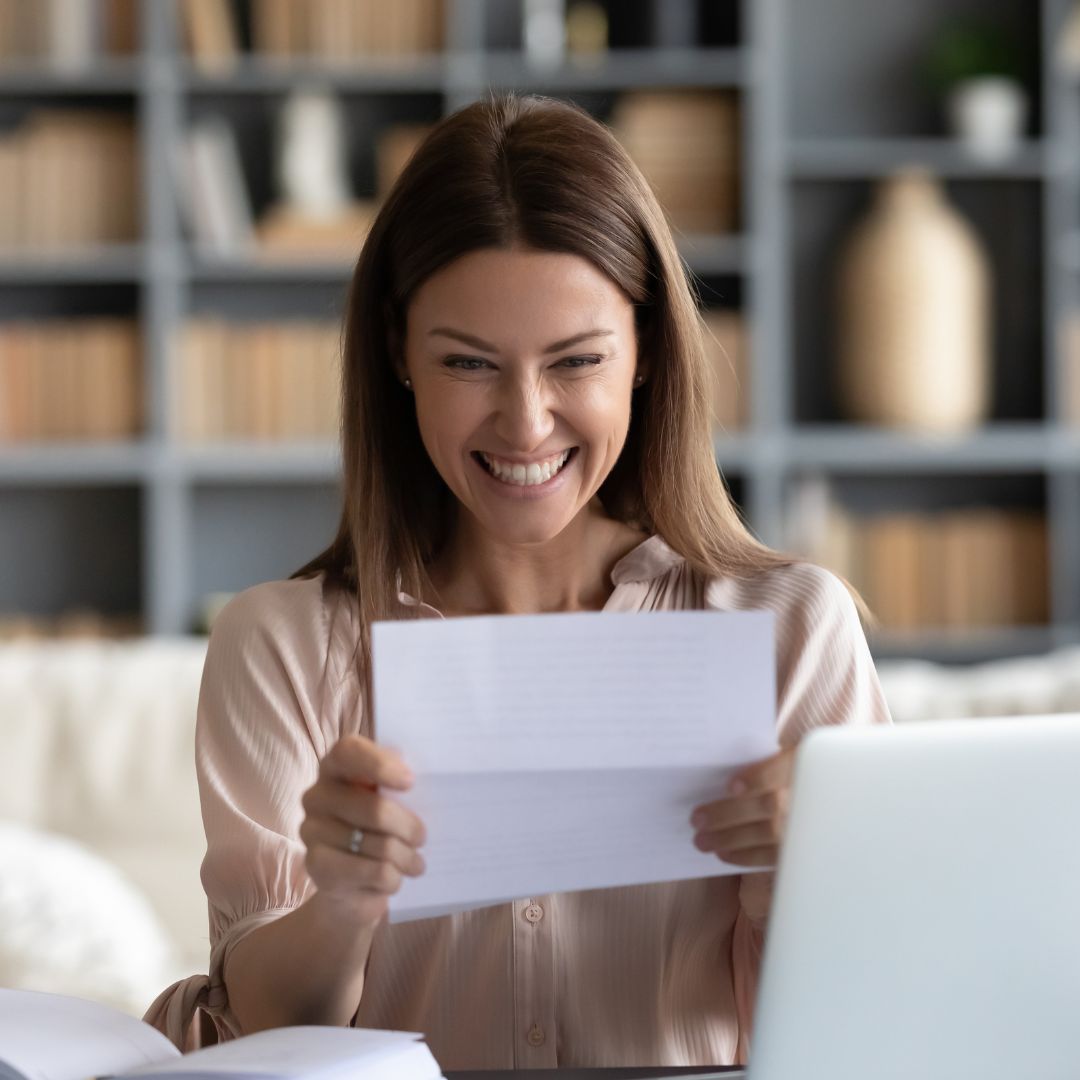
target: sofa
<point>100,833</point>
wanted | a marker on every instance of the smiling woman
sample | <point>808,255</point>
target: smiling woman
<point>525,428</point>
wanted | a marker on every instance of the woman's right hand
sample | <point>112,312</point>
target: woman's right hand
<point>346,798</point>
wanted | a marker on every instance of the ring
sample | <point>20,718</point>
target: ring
<point>355,840</point>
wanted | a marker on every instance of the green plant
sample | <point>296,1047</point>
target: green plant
<point>968,50</point>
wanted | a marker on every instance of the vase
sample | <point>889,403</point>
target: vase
<point>914,308</point>
<point>988,115</point>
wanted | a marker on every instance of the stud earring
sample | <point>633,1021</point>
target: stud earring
<point>408,384</point>
<point>638,380</point>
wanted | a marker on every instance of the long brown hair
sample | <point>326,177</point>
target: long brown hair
<point>532,172</point>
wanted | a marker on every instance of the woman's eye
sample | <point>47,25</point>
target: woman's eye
<point>465,363</point>
<point>581,361</point>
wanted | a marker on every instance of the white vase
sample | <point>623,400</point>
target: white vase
<point>914,304</point>
<point>988,115</point>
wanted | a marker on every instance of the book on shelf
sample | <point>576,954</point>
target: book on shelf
<point>66,35</point>
<point>211,34</point>
<point>333,31</point>
<point>964,569</point>
<point>68,181</point>
<point>268,382</point>
<point>71,623</point>
<point>213,191</point>
<point>70,379</point>
<point>393,148</point>
<point>67,1038</point>
<point>726,348</point>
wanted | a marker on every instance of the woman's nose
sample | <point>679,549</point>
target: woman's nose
<point>525,418</point>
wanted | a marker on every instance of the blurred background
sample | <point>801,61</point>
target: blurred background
<point>879,205</point>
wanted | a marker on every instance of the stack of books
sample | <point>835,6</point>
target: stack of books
<point>68,181</point>
<point>969,569</point>
<point>273,381</point>
<point>70,379</point>
<point>326,31</point>
<point>73,623</point>
<point>66,35</point>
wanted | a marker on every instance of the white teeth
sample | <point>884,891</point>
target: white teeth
<point>526,475</point>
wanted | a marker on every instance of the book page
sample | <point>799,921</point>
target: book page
<point>54,1037</point>
<point>563,752</point>
<point>300,1053</point>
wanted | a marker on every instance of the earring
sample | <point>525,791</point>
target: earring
<point>408,384</point>
<point>639,379</point>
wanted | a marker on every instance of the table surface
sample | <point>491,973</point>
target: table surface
<point>728,1072</point>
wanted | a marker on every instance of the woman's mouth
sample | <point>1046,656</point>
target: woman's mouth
<point>532,475</point>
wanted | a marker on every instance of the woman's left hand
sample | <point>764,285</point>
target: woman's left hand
<point>746,827</point>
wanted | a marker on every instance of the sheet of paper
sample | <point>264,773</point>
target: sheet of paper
<point>56,1037</point>
<point>564,752</point>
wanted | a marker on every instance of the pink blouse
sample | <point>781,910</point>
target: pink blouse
<point>645,975</point>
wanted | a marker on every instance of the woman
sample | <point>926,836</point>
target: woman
<point>525,429</point>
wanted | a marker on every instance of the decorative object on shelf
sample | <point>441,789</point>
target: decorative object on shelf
<point>1068,51</point>
<point>914,313</point>
<point>586,31</point>
<point>725,346</point>
<point>544,32</point>
<point>317,214</point>
<point>311,168</point>
<point>687,145</point>
<point>976,69</point>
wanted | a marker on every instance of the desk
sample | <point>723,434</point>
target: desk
<point>685,1072</point>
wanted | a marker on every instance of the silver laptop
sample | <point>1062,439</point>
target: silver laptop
<point>926,919</point>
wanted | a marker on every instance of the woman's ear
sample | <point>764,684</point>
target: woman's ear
<point>395,347</point>
<point>643,329</point>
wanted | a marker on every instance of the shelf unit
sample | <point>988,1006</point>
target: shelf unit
<point>819,126</point>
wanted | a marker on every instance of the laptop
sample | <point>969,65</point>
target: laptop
<point>926,918</point>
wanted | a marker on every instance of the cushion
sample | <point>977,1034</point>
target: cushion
<point>74,924</point>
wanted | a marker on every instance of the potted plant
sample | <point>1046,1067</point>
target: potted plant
<point>975,68</point>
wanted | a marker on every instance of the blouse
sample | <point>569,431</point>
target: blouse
<point>660,974</point>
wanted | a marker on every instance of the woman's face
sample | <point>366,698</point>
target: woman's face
<point>522,363</point>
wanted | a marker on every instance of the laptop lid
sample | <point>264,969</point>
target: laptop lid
<point>926,918</point>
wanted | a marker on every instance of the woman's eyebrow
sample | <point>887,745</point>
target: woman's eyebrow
<point>483,346</point>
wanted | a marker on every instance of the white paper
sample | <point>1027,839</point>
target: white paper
<point>56,1037</point>
<point>292,1053</point>
<point>564,752</point>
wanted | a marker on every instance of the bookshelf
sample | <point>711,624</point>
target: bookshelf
<point>152,527</point>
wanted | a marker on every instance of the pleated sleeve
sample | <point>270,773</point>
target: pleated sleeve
<point>273,700</point>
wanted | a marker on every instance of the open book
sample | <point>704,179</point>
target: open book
<point>52,1037</point>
